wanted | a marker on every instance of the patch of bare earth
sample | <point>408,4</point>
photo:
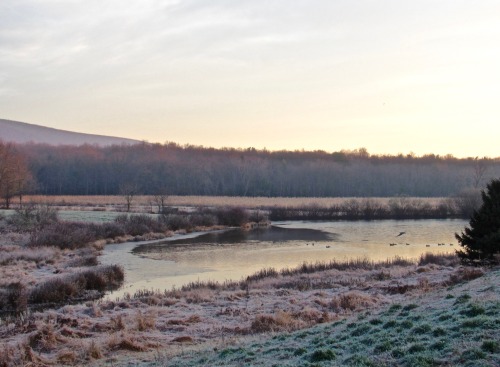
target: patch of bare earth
<point>142,326</point>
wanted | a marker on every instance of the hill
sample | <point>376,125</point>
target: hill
<point>21,132</point>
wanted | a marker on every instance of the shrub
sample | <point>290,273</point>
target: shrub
<point>64,235</point>
<point>141,224</point>
<point>112,230</point>
<point>63,288</point>
<point>203,220</point>
<point>233,217</point>
<point>31,217</point>
<point>56,290</point>
<point>175,222</point>
<point>258,216</point>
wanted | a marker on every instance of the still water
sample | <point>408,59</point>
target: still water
<point>234,254</point>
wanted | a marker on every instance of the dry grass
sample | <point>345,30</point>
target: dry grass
<point>117,323</point>
<point>144,202</point>
<point>188,318</point>
<point>466,274</point>
<point>439,259</point>
<point>193,319</point>
<point>67,287</point>
<point>145,322</point>
<point>351,301</point>
<point>280,321</point>
<point>183,339</point>
<point>66,357</point>
<point>45,338</point>
<point>125,341</point>
<point>12,254</point>
<point>94,351</point>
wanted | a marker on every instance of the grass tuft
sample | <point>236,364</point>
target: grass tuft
<point>321,355</point>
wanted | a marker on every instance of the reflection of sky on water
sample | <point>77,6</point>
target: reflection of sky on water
<point>235,254</point>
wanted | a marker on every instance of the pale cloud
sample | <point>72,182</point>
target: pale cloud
<point>315,74</point>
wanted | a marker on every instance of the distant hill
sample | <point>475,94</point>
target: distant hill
<point>21,132</point>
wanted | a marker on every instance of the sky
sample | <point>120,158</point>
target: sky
<point>392,76</point>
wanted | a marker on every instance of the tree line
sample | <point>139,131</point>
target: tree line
<point>15,176</point>
<point>172,169</point>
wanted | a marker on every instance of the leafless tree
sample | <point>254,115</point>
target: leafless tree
<point>480,168</point>
<point>128,190</point>
<point>160,200</point>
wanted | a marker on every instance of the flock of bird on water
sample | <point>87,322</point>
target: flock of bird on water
<point>407,244</point>
<point>395,244</point>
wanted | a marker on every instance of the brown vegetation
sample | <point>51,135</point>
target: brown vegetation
<point>15,176</point>
<point>205,312</point>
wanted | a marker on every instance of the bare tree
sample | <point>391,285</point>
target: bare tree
<point>480,168</point>
<point>128,190</point>
<point>160,200</point>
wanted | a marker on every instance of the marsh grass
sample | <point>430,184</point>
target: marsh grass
<point>369,209</point>
<point>438,259</point>
<point>298,283</point>
<point>14,254</point>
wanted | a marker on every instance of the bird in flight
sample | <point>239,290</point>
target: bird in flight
<point>400,234</point>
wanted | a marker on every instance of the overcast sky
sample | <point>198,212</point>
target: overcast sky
<point>392,76</point>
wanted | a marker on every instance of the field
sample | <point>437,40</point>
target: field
<point>145,203</point>
<point>400,312</point>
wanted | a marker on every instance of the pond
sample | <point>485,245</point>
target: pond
<point>235,253</point>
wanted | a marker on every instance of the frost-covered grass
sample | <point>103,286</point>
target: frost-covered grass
<point>453,328</point>
<point>399,305</point>
<point>78,215</point>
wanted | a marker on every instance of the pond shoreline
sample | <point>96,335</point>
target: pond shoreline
<point>168,263</point>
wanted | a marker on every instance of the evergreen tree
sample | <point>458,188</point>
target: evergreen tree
<point>481,242</point>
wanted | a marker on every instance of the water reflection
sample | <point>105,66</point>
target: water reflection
<point>272,234</point>
<point>236,253</point>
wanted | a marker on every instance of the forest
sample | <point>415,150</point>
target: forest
<point>172,169</point>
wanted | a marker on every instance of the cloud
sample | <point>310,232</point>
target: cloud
<point>285,62</point>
